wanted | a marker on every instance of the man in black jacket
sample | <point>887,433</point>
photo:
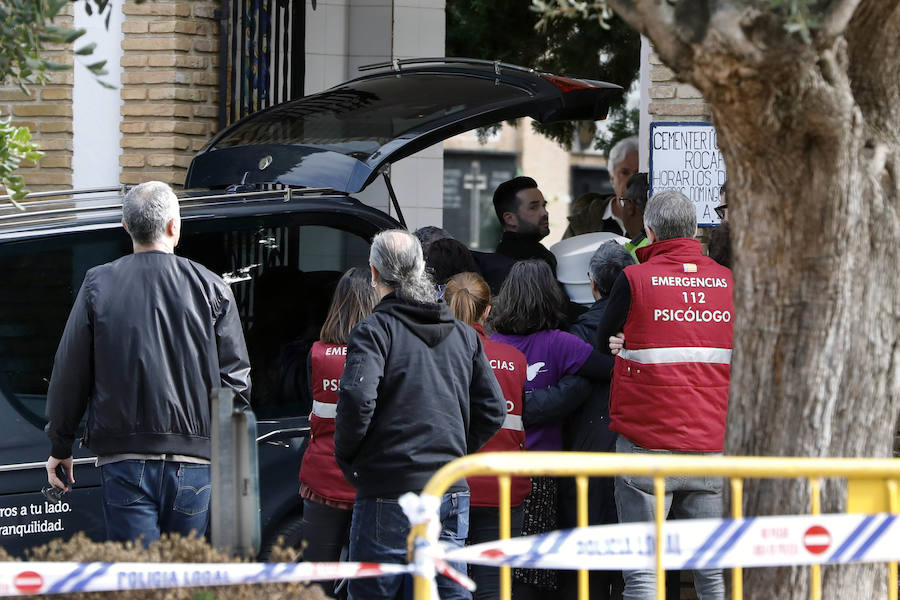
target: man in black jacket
<point>417,392</point>
<point>150,335</point>
<point>522,212</point>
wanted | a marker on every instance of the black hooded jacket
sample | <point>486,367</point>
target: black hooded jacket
<point>417,392</point>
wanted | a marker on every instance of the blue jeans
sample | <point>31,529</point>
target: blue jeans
<point>143,498</point>
<point>378,533</point>
<point>686,498</point>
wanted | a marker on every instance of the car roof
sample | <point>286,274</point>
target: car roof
<point>344,137</point>
<point>72,211</point>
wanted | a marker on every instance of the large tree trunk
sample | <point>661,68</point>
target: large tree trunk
<point>810,138</point>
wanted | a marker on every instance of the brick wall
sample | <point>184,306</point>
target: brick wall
<point>169,87</point>
<point>47,112</point>
<point>671,100</point>
<point>169,91</point>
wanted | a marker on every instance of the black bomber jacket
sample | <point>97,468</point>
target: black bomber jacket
<point>417,392</point>
<point>150,335</point>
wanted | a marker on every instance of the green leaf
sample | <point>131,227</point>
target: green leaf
<point>53,66</point>
<point>86,49</point>
<point>54,6</point>
<point>74,34</point>
<point>15,146</point>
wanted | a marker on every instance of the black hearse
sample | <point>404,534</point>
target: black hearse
<point>268,207</point>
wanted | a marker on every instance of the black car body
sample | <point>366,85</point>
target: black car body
<point>281,250</point>
<point>274,251</point>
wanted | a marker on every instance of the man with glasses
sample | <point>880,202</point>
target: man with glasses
<point>633,204</point>
<point>605,214</point>
<point>722,209</point>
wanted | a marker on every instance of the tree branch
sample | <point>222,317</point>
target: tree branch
<point>672,27</point>
<point>873,43</point>
<point>836,19</point>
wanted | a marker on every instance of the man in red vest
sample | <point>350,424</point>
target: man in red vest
<point>670,382</point>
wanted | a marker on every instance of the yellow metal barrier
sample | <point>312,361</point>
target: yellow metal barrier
<point>580,465</point>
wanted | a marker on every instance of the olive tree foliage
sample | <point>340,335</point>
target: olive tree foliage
<point>26,29</point>
<point>804,97</point>
<point>512,31</point>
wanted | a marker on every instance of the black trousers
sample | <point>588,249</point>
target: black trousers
<point>326,531</point>
<point>484,526</point>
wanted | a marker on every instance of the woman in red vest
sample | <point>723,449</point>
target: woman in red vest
<point>469,298</point>
<point>327,496</point>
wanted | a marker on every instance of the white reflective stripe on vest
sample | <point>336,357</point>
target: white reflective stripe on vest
<point>656,356</point>
<point>324,410</point>
<point>513,422</point>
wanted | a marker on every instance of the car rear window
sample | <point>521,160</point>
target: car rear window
<point>356,119</point>
<point>283,271</point>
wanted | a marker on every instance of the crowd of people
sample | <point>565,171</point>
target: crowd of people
<point>430,353</point>
<point>555,373</point>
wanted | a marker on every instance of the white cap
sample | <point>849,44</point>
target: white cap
<point>573,258</point>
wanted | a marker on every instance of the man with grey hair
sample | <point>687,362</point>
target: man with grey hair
<point>670,381</point>
<point>148,338</point>
<point>417,392</point>
<point>605,213</point>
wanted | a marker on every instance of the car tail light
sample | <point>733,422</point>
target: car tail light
<point>568,84</point>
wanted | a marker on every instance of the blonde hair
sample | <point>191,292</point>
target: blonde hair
<point>468,296</point>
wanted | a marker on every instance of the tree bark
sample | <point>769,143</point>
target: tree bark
<point>810,133</point>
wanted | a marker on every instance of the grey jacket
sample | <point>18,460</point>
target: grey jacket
<point>150,335</point>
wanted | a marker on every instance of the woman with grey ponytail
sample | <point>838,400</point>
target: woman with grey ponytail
<point>416,393</point>
<point>398,265</point>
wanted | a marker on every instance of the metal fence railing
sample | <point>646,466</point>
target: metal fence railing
<point>873,485</point>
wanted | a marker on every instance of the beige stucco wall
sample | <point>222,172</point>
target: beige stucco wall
<point>342,35</point>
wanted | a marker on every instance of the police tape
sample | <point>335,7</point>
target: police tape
<point>19,579</point>
<point>700,544</point>
<point>687,544</point>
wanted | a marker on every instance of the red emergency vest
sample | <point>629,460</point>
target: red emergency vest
<point>319,470</point>
<point>670,384</point>
<point>510,367</point>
